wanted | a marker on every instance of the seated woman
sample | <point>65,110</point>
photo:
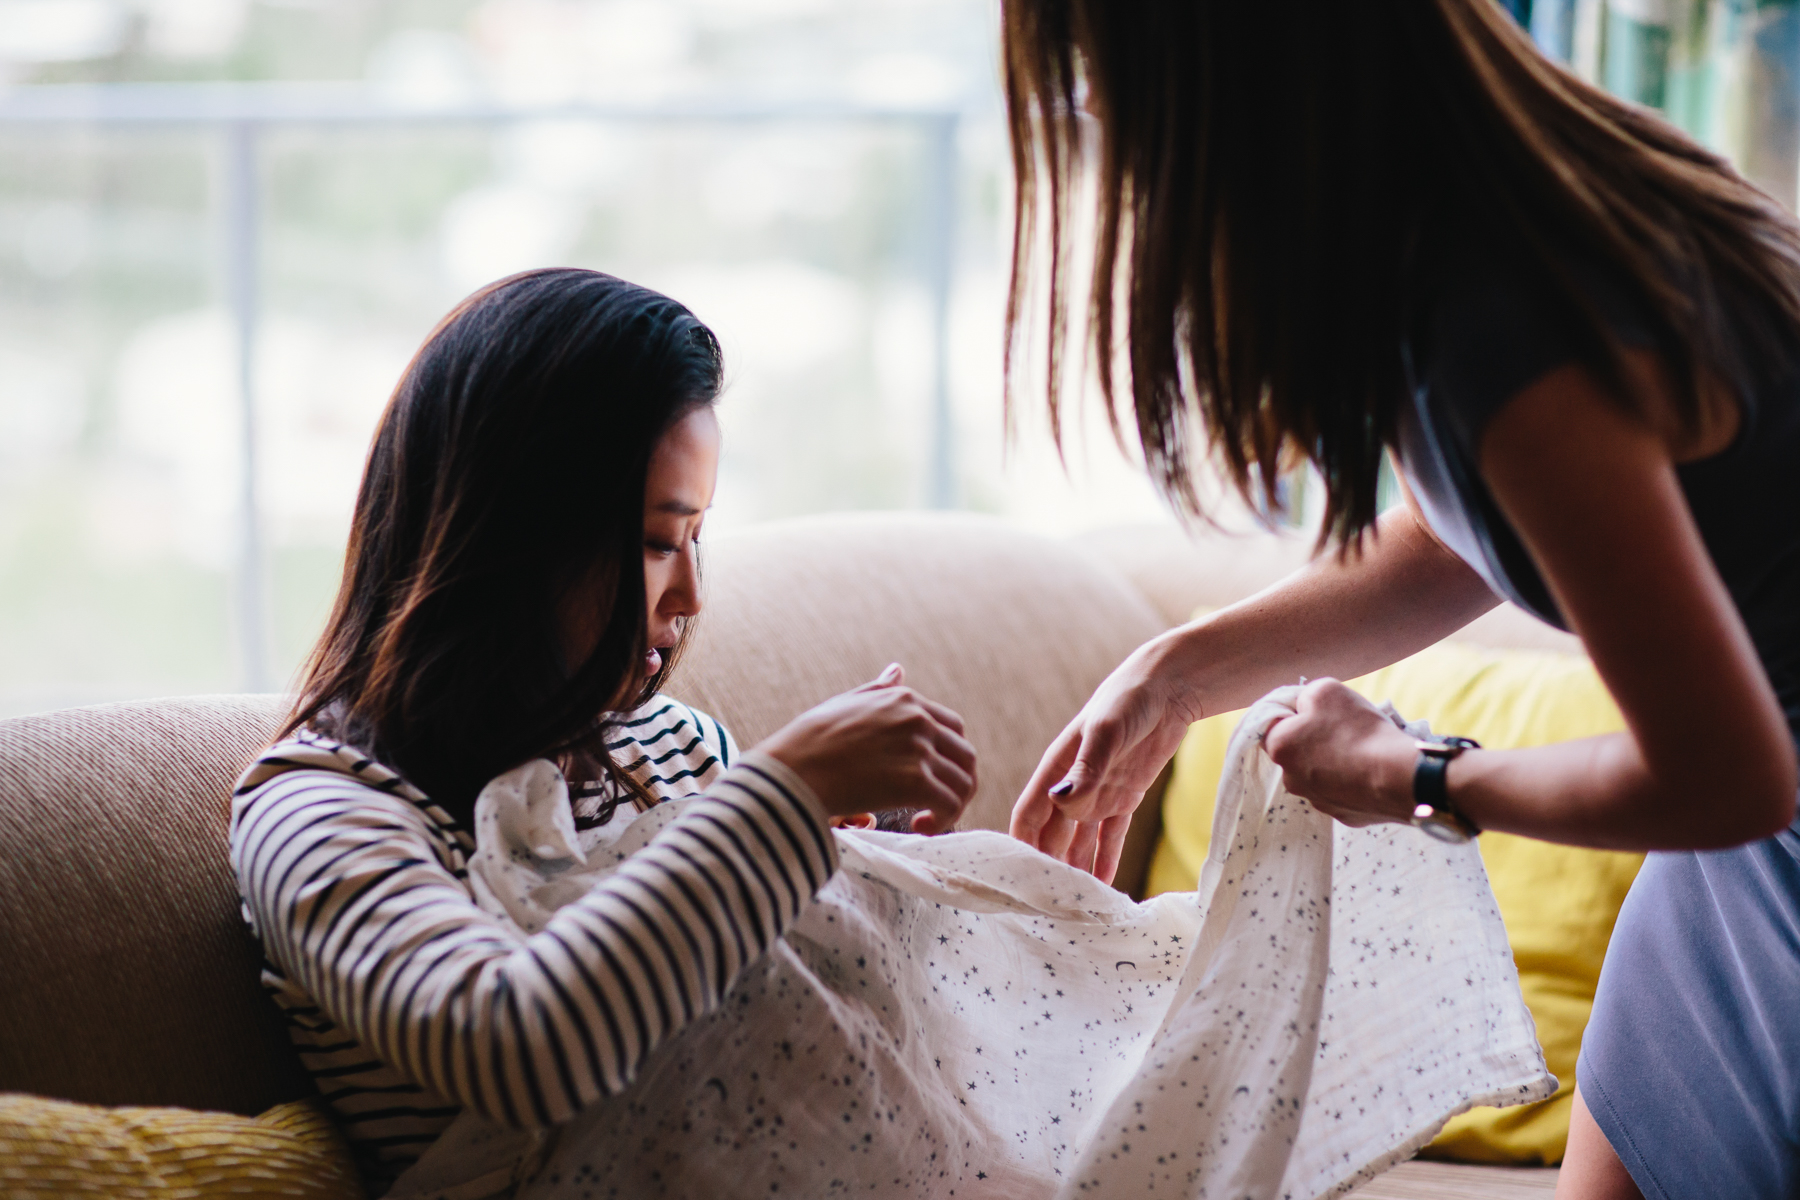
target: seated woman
<point>520,574</point>
<point>542,932</point>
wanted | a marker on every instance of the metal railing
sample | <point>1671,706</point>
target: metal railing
<point>239,113</point>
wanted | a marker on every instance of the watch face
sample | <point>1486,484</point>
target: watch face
<point>1443,828</point>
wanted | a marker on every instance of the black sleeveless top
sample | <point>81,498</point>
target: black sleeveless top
<point>1494,325</point>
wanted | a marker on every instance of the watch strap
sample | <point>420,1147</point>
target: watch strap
<point>1430,786</point>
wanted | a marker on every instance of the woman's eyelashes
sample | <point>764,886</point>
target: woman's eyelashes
<point>663,549</point>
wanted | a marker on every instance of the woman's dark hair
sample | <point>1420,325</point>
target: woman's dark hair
<point>1266,172</point>
<point>508,470</point>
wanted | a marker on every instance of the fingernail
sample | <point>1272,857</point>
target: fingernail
<point>888,672</point>
<point>1062,789</point>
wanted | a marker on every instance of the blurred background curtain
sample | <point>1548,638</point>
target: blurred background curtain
<point>1726,71</point>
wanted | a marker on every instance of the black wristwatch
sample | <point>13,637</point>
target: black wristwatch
<point>1433,812</point>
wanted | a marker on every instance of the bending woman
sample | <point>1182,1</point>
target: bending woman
<point>1335,231</point>
<point>521,573</point>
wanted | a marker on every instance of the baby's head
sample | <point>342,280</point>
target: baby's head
<point>895,820</point>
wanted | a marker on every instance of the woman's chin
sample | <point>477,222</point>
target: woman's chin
<point>653,662</point>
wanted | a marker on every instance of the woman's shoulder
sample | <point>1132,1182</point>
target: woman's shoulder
<point>307,749</point>
<point>310,770</point>
<point>672,747</point>
<point>1495,312</point>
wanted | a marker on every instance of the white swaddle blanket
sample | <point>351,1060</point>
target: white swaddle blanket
<point>963,1016</point>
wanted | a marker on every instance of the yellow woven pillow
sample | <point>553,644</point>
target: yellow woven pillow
<point>1559,903</point>
<point>55,1148</point>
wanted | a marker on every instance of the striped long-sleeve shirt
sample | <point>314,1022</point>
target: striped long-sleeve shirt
<point>408,1002</point>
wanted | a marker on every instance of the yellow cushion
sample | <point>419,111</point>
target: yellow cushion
<point>1559,902</point>
<point>55,1148</point>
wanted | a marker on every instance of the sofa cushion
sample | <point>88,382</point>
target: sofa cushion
<point>54,1149</point>
<point>129,976</point>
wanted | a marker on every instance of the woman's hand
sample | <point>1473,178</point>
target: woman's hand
<point>1078,804</point>
<point>1337,615</point>
<point>882,746</point>
<point>1344,755</point>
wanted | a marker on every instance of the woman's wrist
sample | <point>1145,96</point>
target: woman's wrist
<point>802,789</point>
<point>1186,662</point>
<point>1396,769</point>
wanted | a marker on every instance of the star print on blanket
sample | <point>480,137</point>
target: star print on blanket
<point>963,1016</point>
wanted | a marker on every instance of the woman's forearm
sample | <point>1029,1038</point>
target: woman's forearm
<point>1333,617</point>
<point>1599,792</point>
<point>359,912</point>
<point>1352,762</point>
<point>1596,791</point>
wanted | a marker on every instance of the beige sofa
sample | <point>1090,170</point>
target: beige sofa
<point>127,977</point>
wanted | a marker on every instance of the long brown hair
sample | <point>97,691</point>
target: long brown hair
<point>508,469</point>
<point>1267,175</point>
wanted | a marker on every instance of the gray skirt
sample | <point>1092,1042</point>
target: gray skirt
<point>1691,1061</point>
